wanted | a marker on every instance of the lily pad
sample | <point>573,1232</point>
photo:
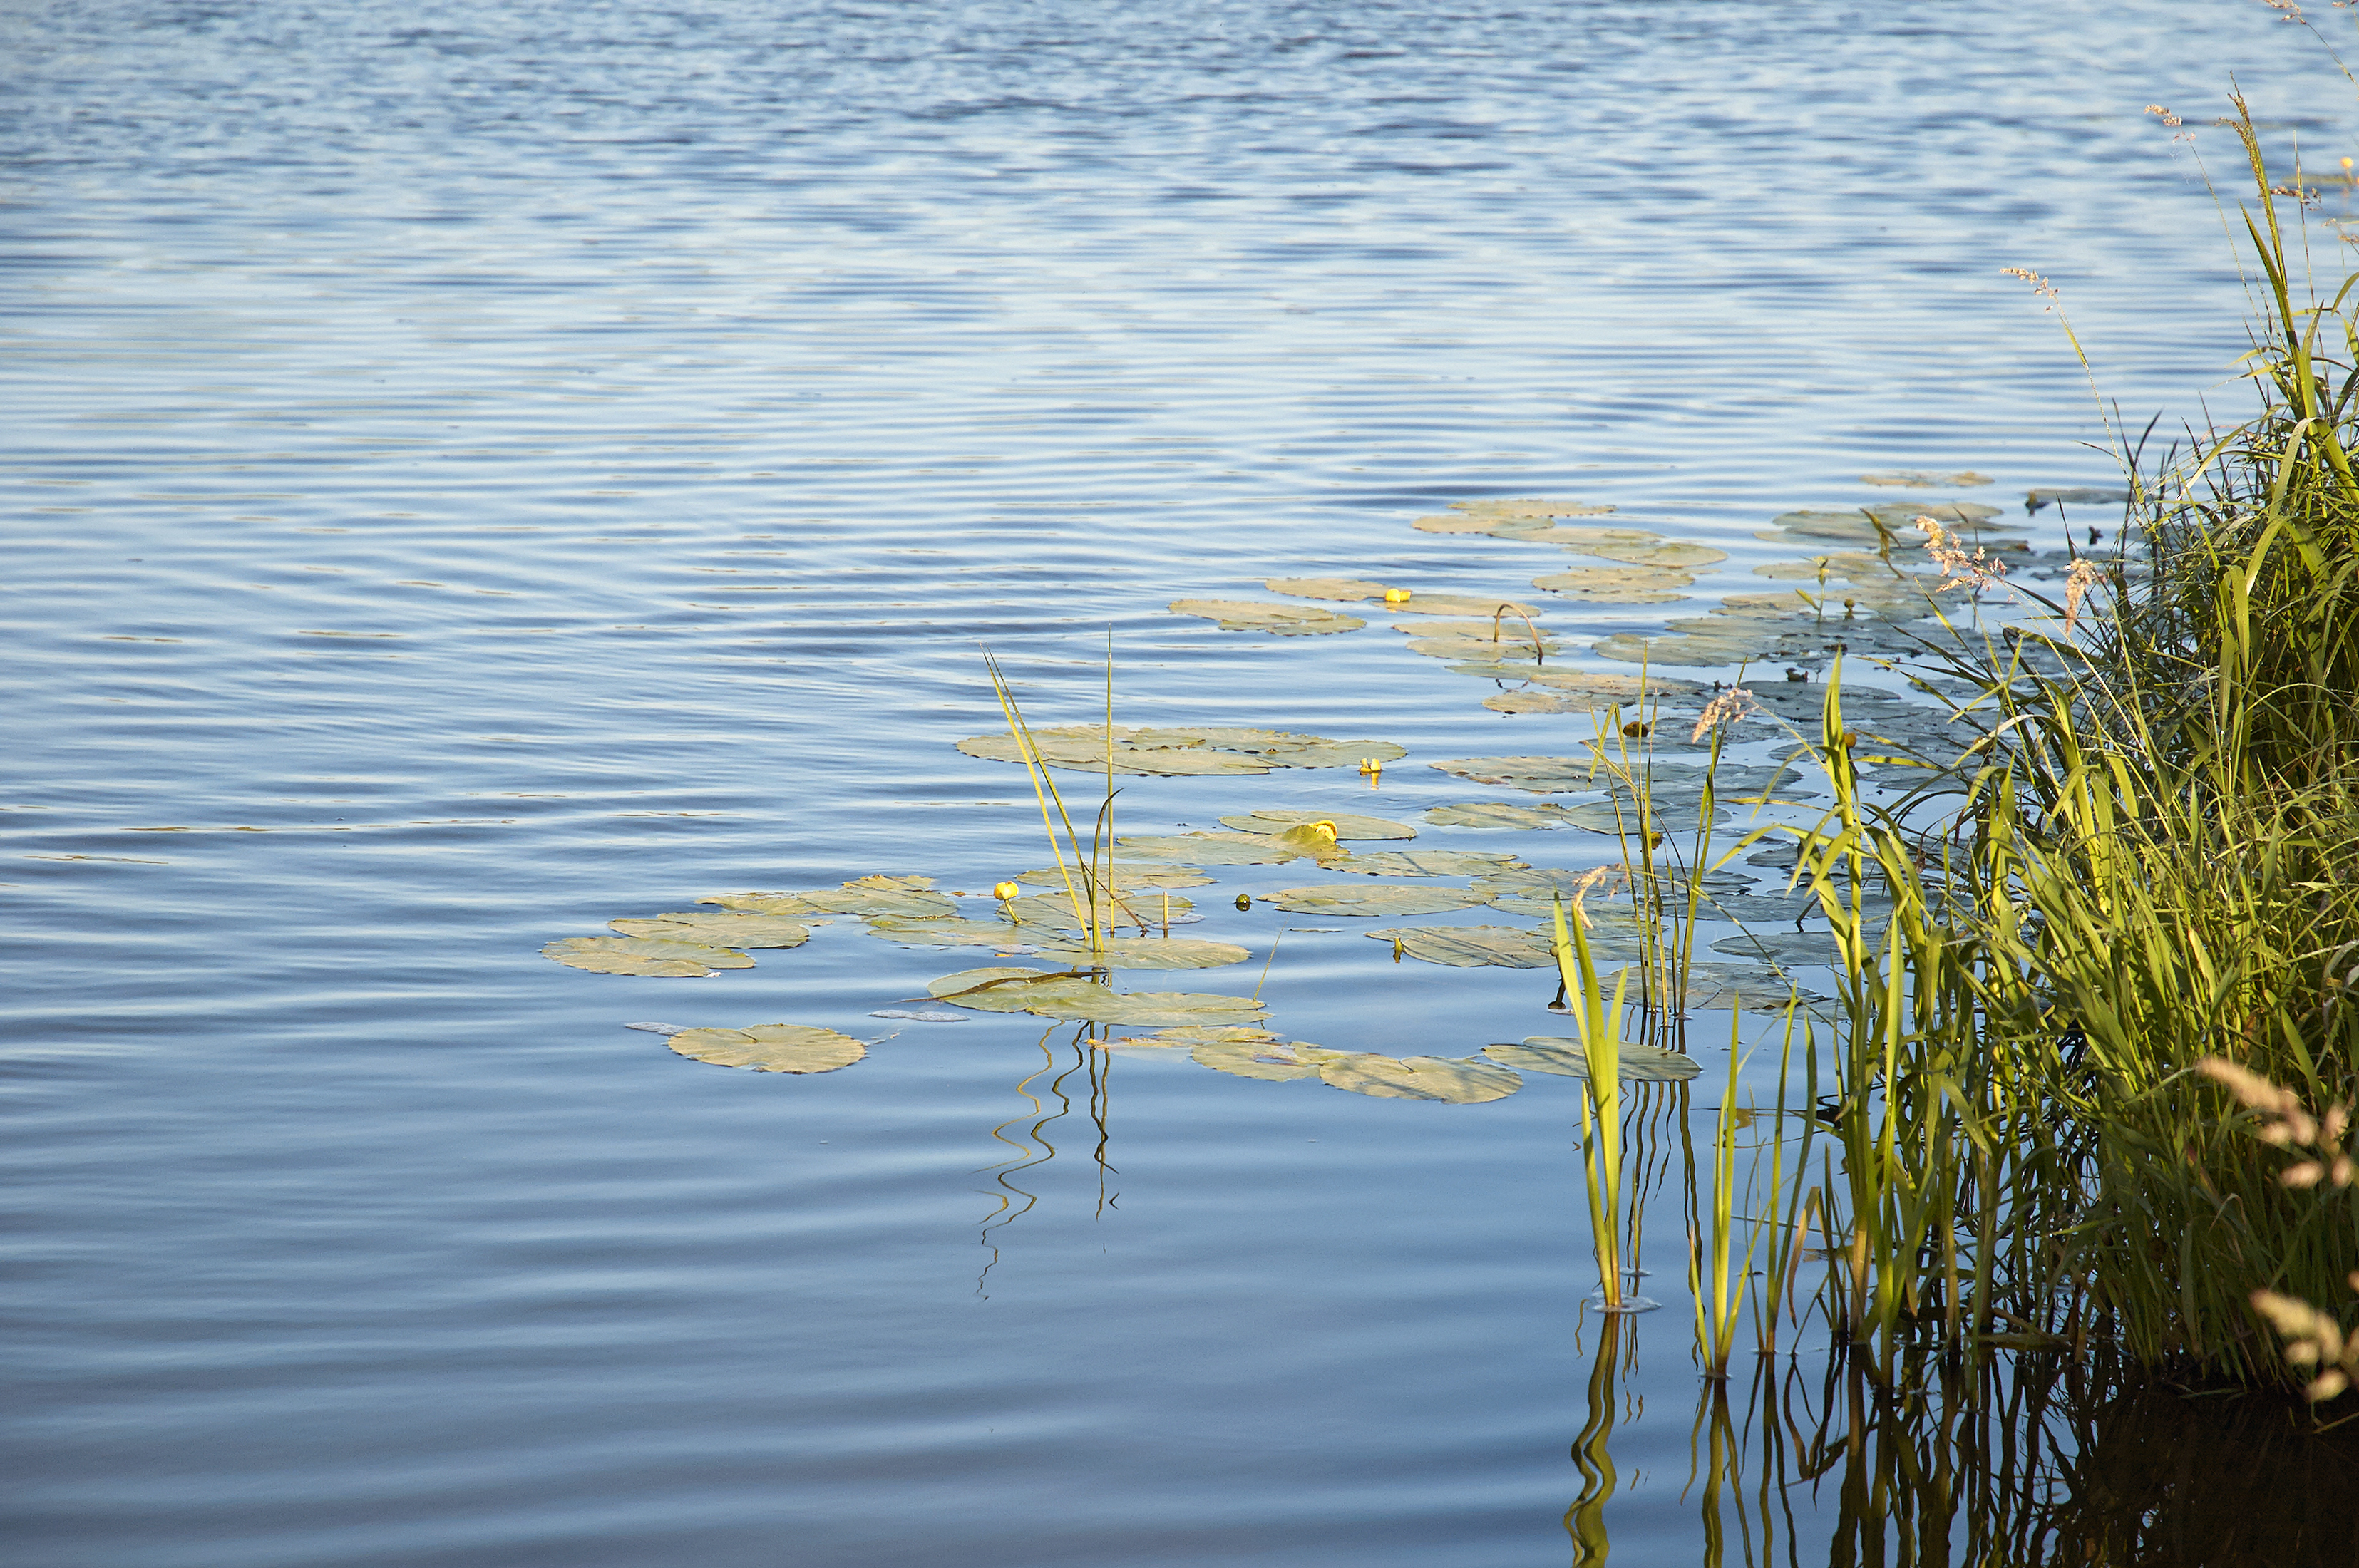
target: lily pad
<point>1675,553</point>
<point>1456,1080</point>
<point>1222,848</point>
<point>1191,1035</point>
<point>1500,814</point>
<point>640,956</point>
<point>1080,997</point>
<point>722,930</point>
<point>1535,532</point>
<point>1465,605</point>
<point>1483,650</point>
<point>1428,863</point>
<point>1960,516</point>
<point>2075,495</point>
<point>949,932</point>
<point>1916,479</point>
<point>1618,584</point>
<point>908,896</point>
<point>1540,775</point>
<point>1717,988</point>
<point>1511,508</point>
<point>1783,946</point>
<point>1265,1059</point>
<point>1472,946</point>
<point>1852,527</point>
<point>1372,900</point>
<point>1128,877</point>
<point>1172,752</point>
<point>1455,522</point>
<point>1347,824</point>
<point>1146,952</point>
<point>1640,1063</point>
<point>1278,620</point>
<point>1334,587</point>
<point>1055,910</point>
<point>771,1048</point>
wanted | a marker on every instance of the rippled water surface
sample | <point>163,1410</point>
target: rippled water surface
<point>474,471</point>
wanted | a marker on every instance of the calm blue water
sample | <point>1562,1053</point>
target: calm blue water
<point>474,471</point>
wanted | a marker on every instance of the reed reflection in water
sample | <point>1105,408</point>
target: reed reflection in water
<point>1012,1202</point>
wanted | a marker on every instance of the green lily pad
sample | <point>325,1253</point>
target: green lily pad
<point>1347,824</point>
<point>1716,987</point>
<point>1783,946</point>
<point>1472,946</point>
<point>1055,910</point>
<point>908,896</point>
<point>1675,553</point>
<point>1128,877</point>
<point>1454,522</point>
<point>1191,1035</point>
<point>1455,1080</point>
<point>1172,752</point>
<point>771,1048</point>
<point>725,930</point>
<point>945,933</point>
<point>1146,953</point>
<point>1535,532</point>
<point>1915,478</point>
<point>1512,508</point>
<point>1561,1054</point>
<point>1622,584</point>
<point>1333,588</point>
<point>639,955</point>
<point>1372,900</point>
<point>1959,516</point>
<point>1080,997</point>
<point>1540,775</point>
<point>1466,605</point>
<point>2076,496</point>
<point>1278,620</point>
<point>1500,814</point>
<point>1222,848</point>
<point>1852,527</point>
<point>1427,863</point>
<point>1269,1060</point>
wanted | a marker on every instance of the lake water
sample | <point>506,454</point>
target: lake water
<point>475,471</point>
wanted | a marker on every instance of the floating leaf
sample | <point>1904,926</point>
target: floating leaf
<point>771,1048</point>
<point>1783,946</point>
<point>1960,516</point>
<point>1456,1080</point>
<point>1219,848</point>
<point>1194,1035</point>
<point>1528,506</point>
<point>1363,899</point>
<point>1464,604</point>
<point>1716,987</point>
<point>1913,479</point>
<point>1454,522</point>
<point>729,930</point>
<point>1080,997</point>
<point>1278,620</point>
<point>1536,533</point>
<point>1676,554</point>
<point>1856,527</point>
<point>1171,751</point>
<point>2074,496</point>
<point>1624,584</point>
<point>907,896</point>
<point>1733,646</point>
<point>943,933</point>
<point>1128,877</point>
<point>1264,1059</point>
<point>1640,1063</point>
<point>1427,863</point>
<point>1540,775</point>
<point>1146,953</point>
<point>1347,824</point>
<point>1334,587</point>
<point>1055,910</point>
<point>1500,814</point>
<point>639,955</point>
<point>1471,946</point>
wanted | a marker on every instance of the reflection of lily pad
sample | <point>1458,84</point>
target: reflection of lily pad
<point>1080,997</point>
<point>1266,1059</point>
<point>1169,751</point>
<point>1146,953</point>
<point>1559,1054</point>
<point>639,955</point>
<point>718,930</point>
<point>1372,900</point>
<point>1427,863</point>
<point>1347,824</point>
<point>1279,620</point>
<point>1336,588</point>
<point>1471,946</point>
<point>771,1048</point>
<point>1456,1080</point>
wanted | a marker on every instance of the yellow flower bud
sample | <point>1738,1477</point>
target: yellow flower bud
<point>1006,890</point>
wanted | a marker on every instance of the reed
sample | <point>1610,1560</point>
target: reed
<point>1598,1027</point>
